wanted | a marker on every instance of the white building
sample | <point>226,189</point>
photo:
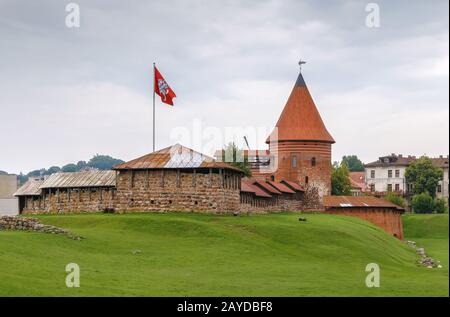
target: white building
<point>387,174</point>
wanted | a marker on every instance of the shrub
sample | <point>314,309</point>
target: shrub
<point>395,199</point>
<point>440,206</point>
<point>423,203</point>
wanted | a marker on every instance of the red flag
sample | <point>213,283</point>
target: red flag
<point>162,88</point>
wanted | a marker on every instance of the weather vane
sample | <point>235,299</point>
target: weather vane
<point>301,62</point>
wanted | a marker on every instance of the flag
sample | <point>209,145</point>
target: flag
<point>162,88</point>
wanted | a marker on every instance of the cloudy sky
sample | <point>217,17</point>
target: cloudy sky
<point>69,93</point>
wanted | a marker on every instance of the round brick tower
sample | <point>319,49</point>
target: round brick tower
<point>301,144</point>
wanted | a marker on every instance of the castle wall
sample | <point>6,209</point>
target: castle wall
<point>389,219</point>
<point>173,190</point>
<point>152,190</point>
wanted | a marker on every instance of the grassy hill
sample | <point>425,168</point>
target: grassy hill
<point>198,255</point>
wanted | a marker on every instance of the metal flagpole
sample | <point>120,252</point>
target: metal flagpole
<point>154,77</point>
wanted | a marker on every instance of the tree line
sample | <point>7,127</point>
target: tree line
<point>101,162</point>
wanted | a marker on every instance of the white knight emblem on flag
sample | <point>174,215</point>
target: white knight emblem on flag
<point>163,88</point>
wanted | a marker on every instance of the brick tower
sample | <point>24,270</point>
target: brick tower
<point>301,144</point>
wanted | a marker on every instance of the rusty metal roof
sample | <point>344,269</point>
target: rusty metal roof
<point>81,179</point>
<point>293,185</point>
<point>281,187</point>
<point>247,186</point>
<point>174,157</point>
<point>30,188</point>
<point>357,201</point>
<point>265,186</point>
<point>300,119</point>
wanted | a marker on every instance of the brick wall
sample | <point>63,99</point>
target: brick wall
<point>388,219</point>
<point>312,166</point>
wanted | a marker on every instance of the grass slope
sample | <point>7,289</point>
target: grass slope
<point>207,255</point>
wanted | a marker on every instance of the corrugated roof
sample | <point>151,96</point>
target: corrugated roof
<point>30,188</point>
<point>81,179</point>
<point>293,185</point>
<point>300,119</point>
<point>357,201</point>
<point>175,156</point>
<point>265,186</point>
<point>248,187</point>
<point>281,187</point>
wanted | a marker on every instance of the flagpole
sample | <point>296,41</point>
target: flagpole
<point>153,107</point>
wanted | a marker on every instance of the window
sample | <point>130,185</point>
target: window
<point>389,173</point>
<point>294,161</point>
<point>372,174</point>
<point>389,187</point>
<point>397,187</point>
<point>397,173</point>
<point>313,161</point>
<point>439,188</point>
<point>272,178</point>
<point>372,187</point>
<point>306,180</point>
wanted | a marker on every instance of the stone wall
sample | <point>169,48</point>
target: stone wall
<point>308,201</point>
<point>176,190</point>
<point>31,224</point>
<point>70,200</point>
<point>388,219</point>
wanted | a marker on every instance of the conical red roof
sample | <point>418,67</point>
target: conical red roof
<point>300,119</point>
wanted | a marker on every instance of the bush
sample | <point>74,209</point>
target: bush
<point>395,199</point>
<point>423,203</point>
<point>440,206</point>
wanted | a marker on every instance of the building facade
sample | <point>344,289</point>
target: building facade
<point>387,174</point>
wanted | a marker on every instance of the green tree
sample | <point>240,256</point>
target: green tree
<point>423,176</point>
<point>36,173</point>
<point>103,162</point>
<point>423,203</point>
<point>81,165</point>
<point>69,168</point>
<point>353,163</point>
<point>395,199</point>
<point>52,170</point>
<point>340,181</point>
<point>232,155</point>
<point>440,206</point>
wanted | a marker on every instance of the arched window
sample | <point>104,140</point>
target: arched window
<point>313,161</point>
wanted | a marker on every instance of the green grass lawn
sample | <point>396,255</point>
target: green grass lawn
<point>208,255</point>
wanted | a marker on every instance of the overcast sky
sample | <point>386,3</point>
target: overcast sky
<point>69,93</point>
